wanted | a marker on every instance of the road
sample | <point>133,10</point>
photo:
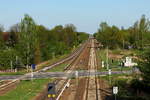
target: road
<point>70,74</point>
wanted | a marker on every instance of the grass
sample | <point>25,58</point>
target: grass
<point>116,51</point>
<point>57,58</point>
<point>123,68</point>
<point>117,68</point>
<point>12,73</point>
<point>42,65</point>
<point>102,54</point>
<point>58,68</point>
<point>115,77</point>
<point>26,90</point>
<point>49,62</point>
<point>115,65</point>
<point>39,67</point>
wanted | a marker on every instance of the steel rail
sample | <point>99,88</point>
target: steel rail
<point>61,90</point>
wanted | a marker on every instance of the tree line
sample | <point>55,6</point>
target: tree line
<point>137,36</point>
<point>29,43</point>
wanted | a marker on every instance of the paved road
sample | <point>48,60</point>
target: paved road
<point>82,73</point>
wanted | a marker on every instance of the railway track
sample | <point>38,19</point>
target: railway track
<point>86,88</point>
<point>77,86</point>
<point>74,65</point>
<point>70,57</point>
<point>92,89</point>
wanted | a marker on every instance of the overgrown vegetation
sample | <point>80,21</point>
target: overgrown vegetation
<point>134,86</point>
<point>144,66</point>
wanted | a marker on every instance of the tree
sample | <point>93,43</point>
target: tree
<point>31,43</point>
<point>144,67</point>
<point>13,35</point>
<point>82,36</point>
<point>70,35</point>
<point>6,57</point>
<point>139,33</point>
<point>143,29</point>
<point>42,52</point>
<point>110,36</point>
<point>2,44</point>
<point>133,35</point>
<point>136,36</point>
<point>27,39</point>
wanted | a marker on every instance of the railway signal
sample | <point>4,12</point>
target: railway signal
<point>76,75</point>
<point>109,71</point>
<point>33,66</point>
<point>109,74</point>
<point>51,90</point>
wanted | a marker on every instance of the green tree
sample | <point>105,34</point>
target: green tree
<point>133,35</point>
<point>2,44</point>
<point>82,36</point>
<point>110,36</point>
<point>144,67</point>
<point>27,39</point>
<point>139,33</point>
<point>6,56</point>
<point>31,43</point>
<point>70,35</point>
<point>14,34</point>
<point>143,29</point>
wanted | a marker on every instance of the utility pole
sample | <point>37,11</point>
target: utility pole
<point>53,54</point>
<point>107,59</point>
<point>11,64</point>
<point>76,75</point>
<point>16,63</point>
<point>123,43</point>
<point>28,48</point>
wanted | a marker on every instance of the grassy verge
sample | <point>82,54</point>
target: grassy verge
<point>117,69</point>
<point>12,73</point>
<point>58,68</point>
<point>116,76</point>
<point>26,90</point>
<point>114,63</point>
<point>57,58</point>
<point>49,62</point>
<point>43,64</point>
